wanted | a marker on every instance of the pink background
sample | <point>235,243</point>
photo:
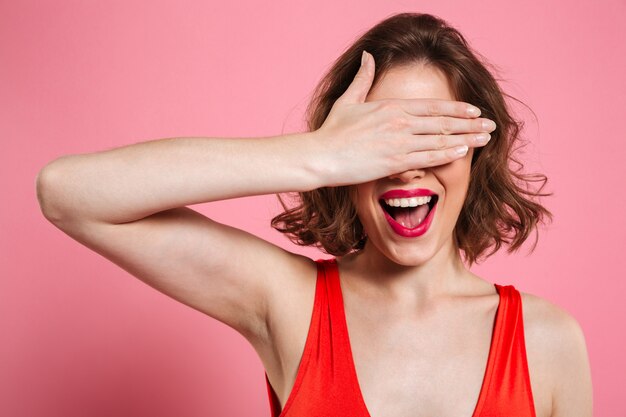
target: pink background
<point>81,337</point>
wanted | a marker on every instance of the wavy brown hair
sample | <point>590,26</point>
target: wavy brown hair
<point>498,207</point>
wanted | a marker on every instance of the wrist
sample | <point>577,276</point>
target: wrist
<point>314,159</point>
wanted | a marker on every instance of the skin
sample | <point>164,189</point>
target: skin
<point>432,318</point>
<point>418,289</point>
<point>426,307</point>
<point>427,266</point>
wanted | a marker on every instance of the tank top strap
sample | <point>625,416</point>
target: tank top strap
<point>324,383</point>
<point>313,351</point>
<point>339,345</point>
<point>510,386</point>
<point>340,386</point>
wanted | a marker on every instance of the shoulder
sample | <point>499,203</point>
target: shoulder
<point>557,351</point>
<point>557,327</point>
<point>547,315</point>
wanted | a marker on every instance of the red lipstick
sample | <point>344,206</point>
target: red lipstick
<point>424,225</point>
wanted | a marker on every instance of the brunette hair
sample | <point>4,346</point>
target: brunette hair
<point>498,207</point>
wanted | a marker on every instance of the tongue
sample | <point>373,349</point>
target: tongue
<point>411,217</point>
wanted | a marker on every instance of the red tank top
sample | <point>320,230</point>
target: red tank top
<point>326,382</point>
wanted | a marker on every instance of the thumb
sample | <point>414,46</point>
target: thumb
<point>362,82</point>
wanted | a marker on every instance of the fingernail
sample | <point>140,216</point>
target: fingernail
<point>483,138</point>
<point>489,125</point>
<point>473,111</point>
<point>363,57</point>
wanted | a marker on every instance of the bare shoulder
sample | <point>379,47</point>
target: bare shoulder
<point>557,354</point>
<point>558,330</point>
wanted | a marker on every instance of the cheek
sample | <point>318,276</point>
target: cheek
<point>455,173</point>
<point>454,177</point>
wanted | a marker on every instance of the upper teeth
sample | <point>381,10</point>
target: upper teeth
<point>408,202</point>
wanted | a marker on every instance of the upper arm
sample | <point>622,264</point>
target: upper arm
<point>224,272</point>
<point>558,354</point>
<point>572,395</point>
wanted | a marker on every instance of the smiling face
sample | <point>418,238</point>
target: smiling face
<point>449,181</point>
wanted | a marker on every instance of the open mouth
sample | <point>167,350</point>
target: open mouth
<point>410,217</point>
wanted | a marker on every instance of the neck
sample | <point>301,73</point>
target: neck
<point>419,282</point>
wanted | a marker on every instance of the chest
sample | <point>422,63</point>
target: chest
<point>427,367</point>
<point>431,363</point>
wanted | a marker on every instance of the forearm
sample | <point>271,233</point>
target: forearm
<point>134,181</point>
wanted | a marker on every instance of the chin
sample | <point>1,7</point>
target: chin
<point>412,259</point>
<point>408,255</point>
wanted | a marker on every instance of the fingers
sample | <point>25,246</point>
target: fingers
<point>438,116</point>
<point>443,131</point>
<point>362,82</point>
<point>438,107</point>
<point>446,125</point>
<point>445,142</point>
<point>435,157</point>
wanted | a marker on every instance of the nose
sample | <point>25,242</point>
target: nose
<point>408,176</point>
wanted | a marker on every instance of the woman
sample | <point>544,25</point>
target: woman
<point>394,324</point>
